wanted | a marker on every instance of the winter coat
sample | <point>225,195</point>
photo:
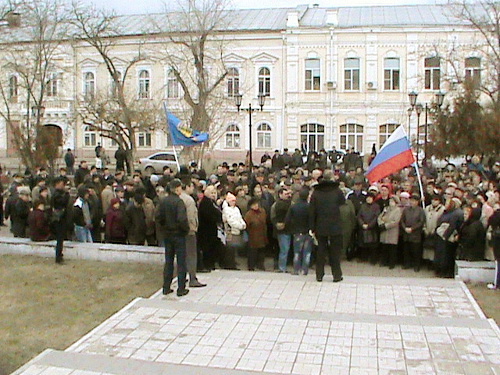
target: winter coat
<point>106,195</point>
<point>278,215</point>
<point>19,218</point>
<point>135,223</point>
<point>472,238</point>
<point>39,225</point>
<point>348,219</point>
<point>242,203</point>
<point>357,199</point>
<point>324,209</point>
<point>149,213</point>
<point>191,211</point>
<point>115,225</point>
<point>494,224</point>
<point>257,228</point>
<point>233,220</point>
<point>389,220</point>
<point>172,216</point>
<point>432,215</point>
<point>414,218</point>
<point>209,219</point>
<point>368,214</point>
<point>297,218</point>
<point>80,175</point>
<point>452,221</point>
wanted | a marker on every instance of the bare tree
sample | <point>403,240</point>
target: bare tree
<point>194,49</point>
<point>116,113</point>
<point>33,57</point>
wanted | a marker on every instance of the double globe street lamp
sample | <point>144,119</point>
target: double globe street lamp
<point>262,99</point>
<point>419,108</point>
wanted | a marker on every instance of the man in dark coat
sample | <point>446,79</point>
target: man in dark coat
<point>325,224</point>
<point>60,216</point>
<point>412,224</point>
<point>69,159</point>
<point>81,173</point>
<point>210,220</point>
<point>173,218</point>
<point>120,156</point>
<point>135,221</point>
<point>20,213</point>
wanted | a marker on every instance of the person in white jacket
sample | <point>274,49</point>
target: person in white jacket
<point>234,227</point>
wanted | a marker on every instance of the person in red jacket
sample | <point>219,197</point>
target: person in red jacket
<point>38,223</point>
<point>115,227</point>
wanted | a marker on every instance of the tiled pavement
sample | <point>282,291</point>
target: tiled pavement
<point>249,323</point>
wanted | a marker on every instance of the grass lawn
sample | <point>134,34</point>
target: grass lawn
<point>489,300</point>
<point>44,305</point>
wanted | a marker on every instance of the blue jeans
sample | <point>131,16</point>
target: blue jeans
<point>83,234</point>
<point>284,241</point>
<point>175,246</point>
<point>302,247</point>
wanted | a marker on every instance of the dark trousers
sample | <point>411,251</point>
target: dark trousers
<point>449,259</point>
<point>330,246</point>
<point>412,254</point>
<point>389,254</point>
<point>175,246</point>
<point>60,232</point>
<point>255,258</point>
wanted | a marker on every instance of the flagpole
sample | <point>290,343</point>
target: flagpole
<point>420,185</point>
<point>172,138</point>
<point>176,158</point>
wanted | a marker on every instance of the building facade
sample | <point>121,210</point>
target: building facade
<point>331,77</point>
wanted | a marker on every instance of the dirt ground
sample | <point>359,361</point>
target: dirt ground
<point>489,300</point>
<point>44,305</point>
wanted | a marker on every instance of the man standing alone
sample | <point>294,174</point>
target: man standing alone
<point>324,216</point>
<point>172,216</point>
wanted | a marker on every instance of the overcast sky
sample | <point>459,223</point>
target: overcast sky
<point>152,6</point>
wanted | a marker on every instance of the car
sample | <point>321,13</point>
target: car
<point>155,163</point>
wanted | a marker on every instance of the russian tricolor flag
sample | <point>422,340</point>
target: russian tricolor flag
<point>394,155</point>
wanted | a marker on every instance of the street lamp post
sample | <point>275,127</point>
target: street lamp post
<point>262,99</point>
<point>418,108</point>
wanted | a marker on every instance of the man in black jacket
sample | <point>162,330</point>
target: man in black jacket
<point>59,219</point>
<point>325,224</point>
<point>172,216</point>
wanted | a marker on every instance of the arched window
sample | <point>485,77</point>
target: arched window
<point>312,137</point>
<point>89,137</point>
<point>264,81</point>
<point>113,85</point>
<point>53,84</point>
<point>473,70</point>
<point>89,85</point>
<point>233,136</point>
<point>13,87</point>
<point>391,73</point>
<point>432,73</point>
<point>264,135</point>
<point>173,91</point>
<point>144,84</point>
<point>351,135</point>
<point>384,132</point>
<point>233,82</point>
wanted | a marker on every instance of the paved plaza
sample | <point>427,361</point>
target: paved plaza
<point>256,322</point>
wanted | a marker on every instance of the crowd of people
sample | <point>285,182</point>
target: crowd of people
<point>297,211</point>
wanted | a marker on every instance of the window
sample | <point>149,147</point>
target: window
<point>351,74</point>
<point>89,137</point>
<point>384,132</point>
<point>144,139</point>
<point>113,87</point>
<point>53,84</point>
<point>89,85</point>
<point>233,136</point>
<point>473,71</point>
<point>264,135</point>
<point>264,81</point>
<point>351,135</point>
<point>144,84</point>
<point>173,91</point>
<point>391,73</point>
<point>313,74</point>
<point>432,73</point>
<point>312,137</point>
<point>164,157</point>
<point>13,87</point>
<point>233,82</point>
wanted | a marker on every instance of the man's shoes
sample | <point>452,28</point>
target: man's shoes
<point>59,260</point>
<point>167,291</point>
<point>197,284</point>
<point>492,286</point>
<point>338,280</point>
<point>181,293</point>
<point>319,279</point>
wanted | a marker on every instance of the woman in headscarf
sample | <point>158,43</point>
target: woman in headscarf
<point>210,230</point>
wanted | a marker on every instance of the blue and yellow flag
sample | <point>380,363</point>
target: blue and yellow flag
<point>183,135</point>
